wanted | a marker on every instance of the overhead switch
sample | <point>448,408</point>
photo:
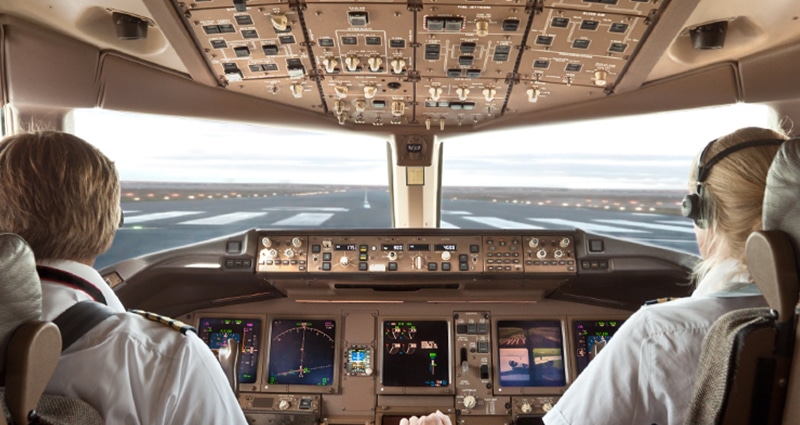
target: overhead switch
<point>533,95</point>
<point>435,93</point>
<point>370,91</point>
<point>358,18</point>
<point>462,93</point>
<point>398,108</point>
<point>341,91</point>
<point>489,94</point>
<point>600,78</point>
<point>297,90</point>
<point>482,28</point>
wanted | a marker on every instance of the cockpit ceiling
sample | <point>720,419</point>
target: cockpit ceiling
<point>433,64</point>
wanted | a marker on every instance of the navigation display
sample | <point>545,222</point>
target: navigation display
<point>415,353</point>
<point>530,353</point>
<point>591,336</point>
<point>247,332</point>
<point>302,352</point>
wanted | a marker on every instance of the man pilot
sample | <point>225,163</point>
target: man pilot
<point>62,195</point>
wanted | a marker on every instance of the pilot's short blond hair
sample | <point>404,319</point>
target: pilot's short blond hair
<point>59,193</point>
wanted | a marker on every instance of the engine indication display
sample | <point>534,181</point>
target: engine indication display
<point>302,352</point>
<point>216,332</point>
<point>415,354</point>
<point>591,336</point>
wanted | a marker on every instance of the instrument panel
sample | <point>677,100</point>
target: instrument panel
<point>367,326</point>
<point>479,366</point>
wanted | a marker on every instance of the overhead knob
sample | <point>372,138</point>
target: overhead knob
<point>341,91</point>
<point>280,22</point>
<point>351,62</point>
<point>370,91</point>
<point>375,63</point>
<point>435,93</point>
<point>361,105</point>
<point>398,65</point>
<point>338,107</point>
<point>330,64</point>
<point>462,93</point>
<point>398,108</point>
<point>600,78</point>
<point>482,28</point>
<point>489,94</point>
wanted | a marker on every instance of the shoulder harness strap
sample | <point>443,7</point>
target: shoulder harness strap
<point>173,323</point>
<point>79,319</point>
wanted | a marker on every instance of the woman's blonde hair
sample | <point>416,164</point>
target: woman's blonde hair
<point>733,194</point>
<point>59,193</point>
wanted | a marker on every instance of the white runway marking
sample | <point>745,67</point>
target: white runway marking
<point>304,219</point>
<point>592,227</point>
<point>321,209</point>
<point>446,225</point>
<point>159,216</point>
<point>685,222</point>
<point>650,226</point>
<point>456,212</point>
<point>225,218</point>
<point>502,223</point>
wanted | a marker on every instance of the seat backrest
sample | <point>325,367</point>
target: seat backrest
<point>782,214</point>
<point>29,348</point>
<point>747,355</point>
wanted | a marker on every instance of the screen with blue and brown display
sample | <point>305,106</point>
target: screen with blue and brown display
<point>302,352</point>
<point>530,353</point>
<point>217,331</point>
<point>416,353</point>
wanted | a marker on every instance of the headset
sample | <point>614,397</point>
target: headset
<point>694,206</point>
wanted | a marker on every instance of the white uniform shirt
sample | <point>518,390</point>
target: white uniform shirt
<point>134,370</point>
<point>645,375</point>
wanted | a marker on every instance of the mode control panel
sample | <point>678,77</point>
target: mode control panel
<point>395,254</point>
<point>280,251</point>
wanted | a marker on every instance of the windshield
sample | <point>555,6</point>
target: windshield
<point>187,183</point>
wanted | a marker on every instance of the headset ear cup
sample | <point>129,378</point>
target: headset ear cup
<point>690,206</point>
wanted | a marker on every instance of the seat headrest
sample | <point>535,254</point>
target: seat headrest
<point>782,194</point>
<point>20,290</point>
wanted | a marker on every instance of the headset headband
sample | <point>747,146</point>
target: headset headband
<point>704,169</point>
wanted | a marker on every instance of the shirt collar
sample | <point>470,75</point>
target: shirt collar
<point>726,279</point>
<point>88,274</point>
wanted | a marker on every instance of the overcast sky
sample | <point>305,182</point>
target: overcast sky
<point>650,151</point>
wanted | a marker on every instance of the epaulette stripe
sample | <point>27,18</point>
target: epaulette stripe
<point>174,324</point>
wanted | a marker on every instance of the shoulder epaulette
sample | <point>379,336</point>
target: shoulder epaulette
<point>164,320</point>
<point>659,300</point>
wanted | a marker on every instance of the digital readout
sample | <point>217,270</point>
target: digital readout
<point>445,247</point>
<point>344,247</point>
<point>419,247</point>
<point>392,247</point>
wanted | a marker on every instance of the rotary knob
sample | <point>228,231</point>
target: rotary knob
<point>547,407</point>
<point>344,261</point>
<point>541,254</point>
<point>289,253</point>
<point>470,402</point>
<point>297,242</point>
<point>525,407</point>
<point>533,243</point>
<point>558,253</point>
<point>564,242</point>
<point>266,242</point>
<point>284,405</point>
<point>446,256</point>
